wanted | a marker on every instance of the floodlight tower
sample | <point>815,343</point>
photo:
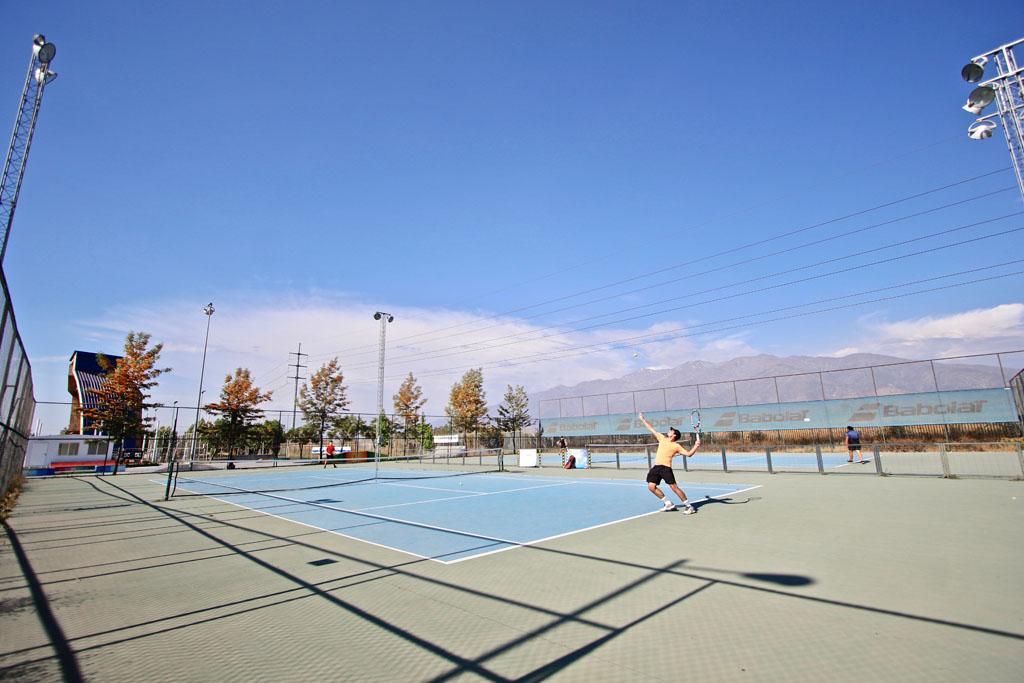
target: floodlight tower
<point>38,77</point>
<point>1007,91</point>
<point>384,319</point>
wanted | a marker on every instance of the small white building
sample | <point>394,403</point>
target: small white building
<point>72,451</point>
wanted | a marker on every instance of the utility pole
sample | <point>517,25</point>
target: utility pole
<point>298,364</point>
<point>39,75</point>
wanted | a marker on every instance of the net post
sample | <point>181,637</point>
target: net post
<point>1020,458</point>
<point>617,465</point>
<point>768,455</point>
<point>878,459</point>
<point>725,463</point>
<point>944,458</point>
<point>817,456</point>
<point>686,465</point>
<point>170,474</point>
<point>647,450</point>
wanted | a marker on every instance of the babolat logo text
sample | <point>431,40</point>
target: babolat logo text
<point>576,426</point>
<point>919,409</point>
<point>726,420</point>
<point>783,416</point>
<point>866,413</point>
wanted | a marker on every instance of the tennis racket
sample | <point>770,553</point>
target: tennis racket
<point>695,421</point>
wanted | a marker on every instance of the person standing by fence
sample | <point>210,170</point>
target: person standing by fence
<point>853,444</point>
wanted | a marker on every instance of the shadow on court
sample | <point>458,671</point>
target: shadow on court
<point>486,664</point>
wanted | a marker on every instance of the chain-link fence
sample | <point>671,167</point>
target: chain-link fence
<point>16,399</point>
<point>187,433</point>
<point>961,398</point>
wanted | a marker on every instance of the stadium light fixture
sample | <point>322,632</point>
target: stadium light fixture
<point>974,70</point>
<point>980,97</point>
<point>981,130</point>
<point>1004,89</point>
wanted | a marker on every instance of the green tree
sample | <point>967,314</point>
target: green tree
<point>271,433</point>
<point>123,395</point>
<point>513,413</point>
<point>239,398</point>
<point>467,403</point>
<point>387,427</point>
<point>324,398</point>
<point>306,433</point>
<point>350,427</point>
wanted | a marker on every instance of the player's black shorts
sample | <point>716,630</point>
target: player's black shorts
<point>853,447</point>
<point>659,472</point>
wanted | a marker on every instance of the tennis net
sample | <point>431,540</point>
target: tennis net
<point>230,477</point>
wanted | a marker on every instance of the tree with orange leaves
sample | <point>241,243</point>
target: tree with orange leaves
<point>121,398</point>
<point>239,398</point>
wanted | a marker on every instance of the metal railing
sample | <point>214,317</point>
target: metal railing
<point>990,459</point>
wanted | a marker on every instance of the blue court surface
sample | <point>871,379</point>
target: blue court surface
<point>447,519</point>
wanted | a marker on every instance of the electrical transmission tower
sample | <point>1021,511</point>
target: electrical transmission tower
<point>38,77</point>
<point>297,365</point>
<point>1006,89</point>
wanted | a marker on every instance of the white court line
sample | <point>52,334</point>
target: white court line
<point>494,539</point>
<point>406,522</point>
<point>589,528</point>
<point>330,531</point>
<point>468,495</point>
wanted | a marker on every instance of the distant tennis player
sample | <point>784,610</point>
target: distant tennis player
<point>853,443</point>
<point>662,470</point>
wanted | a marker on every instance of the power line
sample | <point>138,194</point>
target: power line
<point>627,342</point>
<point>448,351</point>
<point>731,250</point>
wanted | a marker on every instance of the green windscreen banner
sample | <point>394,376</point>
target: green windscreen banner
<point>966,406</point>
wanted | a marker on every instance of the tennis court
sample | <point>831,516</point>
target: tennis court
<point>804,578</point>
<point>447,514</point>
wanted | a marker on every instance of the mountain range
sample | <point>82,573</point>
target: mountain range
<point>749,380</point>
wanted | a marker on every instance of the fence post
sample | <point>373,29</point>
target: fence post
<point>878,460</point>
<point>944,457</point>
<point>1020,458</point>
<point>170,475</point>
<point>817,456</point>
<point>768,455</point>
<point>725,465</point>
<point>617,465</point>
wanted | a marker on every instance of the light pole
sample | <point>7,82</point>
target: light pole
<point>208,310</point>
<point>384,319</point>
<point>1006,90</point>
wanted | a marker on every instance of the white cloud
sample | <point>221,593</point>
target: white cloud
<point>982,330</point>
<point>436,345</point>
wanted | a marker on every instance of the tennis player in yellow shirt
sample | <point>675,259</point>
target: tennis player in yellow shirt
<point>662,470</point>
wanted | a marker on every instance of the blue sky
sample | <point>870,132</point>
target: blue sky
<point>304,164</point>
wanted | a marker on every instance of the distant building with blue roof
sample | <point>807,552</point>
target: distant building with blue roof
<point>85,373</point>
